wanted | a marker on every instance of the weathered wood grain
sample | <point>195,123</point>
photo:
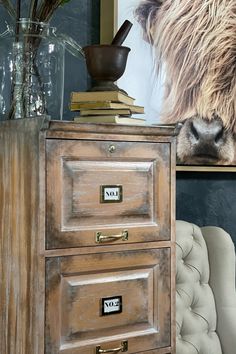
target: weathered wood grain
<point>21,266</point>
<point>76,285</point>
<point>31,187</point>
<point>69,127</point>
<point>75,172</point>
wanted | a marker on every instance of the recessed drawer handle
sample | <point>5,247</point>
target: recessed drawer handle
<point>107,238</point>
<point>123,348</point>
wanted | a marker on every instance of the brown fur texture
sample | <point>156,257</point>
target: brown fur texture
<point>195,40</point>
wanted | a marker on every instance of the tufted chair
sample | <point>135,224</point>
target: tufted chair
<point>205,290</point>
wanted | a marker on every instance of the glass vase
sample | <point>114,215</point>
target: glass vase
<point>31,71</point>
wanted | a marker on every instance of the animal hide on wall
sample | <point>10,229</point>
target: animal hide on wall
<point>195,43</point>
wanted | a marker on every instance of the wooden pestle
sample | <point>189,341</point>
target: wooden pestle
<point>122,33</point>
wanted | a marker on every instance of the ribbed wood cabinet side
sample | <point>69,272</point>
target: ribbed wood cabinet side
<point>21,267</point>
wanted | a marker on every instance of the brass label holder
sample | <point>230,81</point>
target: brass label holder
<point>111,193</point>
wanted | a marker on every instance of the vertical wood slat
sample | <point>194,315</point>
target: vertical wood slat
<point>108,20</point>
<point>173,239</point>
<point>21,267</point>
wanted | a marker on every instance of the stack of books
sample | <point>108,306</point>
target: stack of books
<point>105,107</point>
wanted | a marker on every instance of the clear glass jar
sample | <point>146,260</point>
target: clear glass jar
<point>32,71</point>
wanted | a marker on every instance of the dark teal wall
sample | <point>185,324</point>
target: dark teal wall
<point>207,198</point>
<point>81,20</point>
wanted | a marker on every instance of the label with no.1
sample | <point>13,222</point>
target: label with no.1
<point>111,194</point>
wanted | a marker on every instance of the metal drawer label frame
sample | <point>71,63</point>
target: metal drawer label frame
<point>111,193</point>
<point>111,305</point>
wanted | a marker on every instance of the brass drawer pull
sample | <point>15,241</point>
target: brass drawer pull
<point>107,238</point>
<point>123,348</point>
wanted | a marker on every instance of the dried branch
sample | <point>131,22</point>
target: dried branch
<point>47,8</point>
<point>9,7</point>
<point>18,15</point>
<point>33,9</point>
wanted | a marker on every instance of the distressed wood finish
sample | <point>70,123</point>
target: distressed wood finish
<point>47,169</point>
<point>69,129</point>
<point>77,170</point>
<point>21,266</point>
<point>76,285</point>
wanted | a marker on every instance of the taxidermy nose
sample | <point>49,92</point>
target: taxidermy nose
<point>204,132</point>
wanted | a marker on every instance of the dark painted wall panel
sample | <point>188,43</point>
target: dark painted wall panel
<point>79,19</point>
<point>207,199</point>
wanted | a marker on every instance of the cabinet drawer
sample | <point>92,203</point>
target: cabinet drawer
<point>108,299</point>
<point>107,188</point>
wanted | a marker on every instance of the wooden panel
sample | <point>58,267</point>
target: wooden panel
<point>21,230</point>
<point>59,129</point>
<point>82,294</point>
<point>76,285</point>
<point>75,172</point>
<point>82,204</point>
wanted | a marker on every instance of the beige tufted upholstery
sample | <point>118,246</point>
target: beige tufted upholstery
<point>205,290</point>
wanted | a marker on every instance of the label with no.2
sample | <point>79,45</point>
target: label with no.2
<point>111,305</point>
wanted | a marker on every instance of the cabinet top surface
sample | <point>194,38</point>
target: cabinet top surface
<point>53,127</point>
<point>170,130</point>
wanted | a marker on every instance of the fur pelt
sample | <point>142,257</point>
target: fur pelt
<point>195,41</point>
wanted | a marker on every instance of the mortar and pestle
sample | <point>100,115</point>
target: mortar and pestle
<point>106,62</point>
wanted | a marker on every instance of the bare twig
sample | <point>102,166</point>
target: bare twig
<point>47,8</point>
<point>9,7</point>
<point>33,9</point>
<point>18,12</point>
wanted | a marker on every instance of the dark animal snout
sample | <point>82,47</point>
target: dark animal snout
<point>203,141</point>
<point>211,132</point>
<point>206,137</point>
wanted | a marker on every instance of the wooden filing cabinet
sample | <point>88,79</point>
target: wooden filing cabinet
<point>87,238</point>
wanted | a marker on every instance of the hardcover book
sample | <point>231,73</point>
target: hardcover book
<point>103,112</point>
<point>110,119</point>
<point>104,105</point>
<point>113,96</point>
